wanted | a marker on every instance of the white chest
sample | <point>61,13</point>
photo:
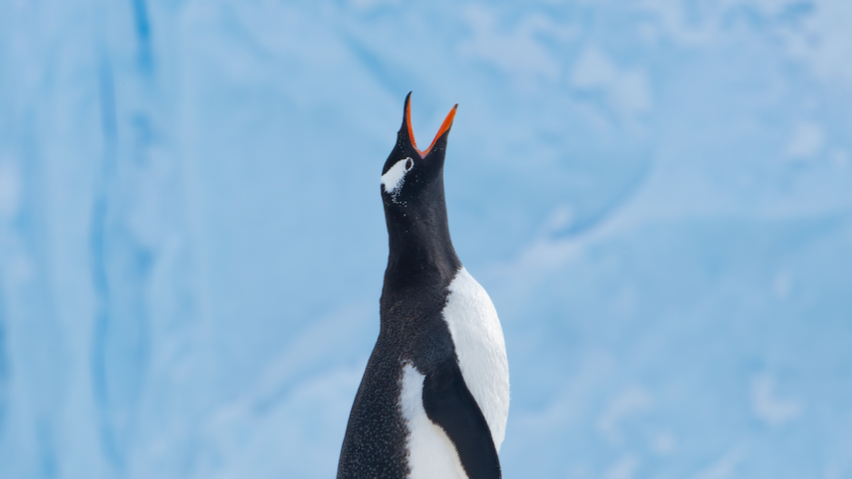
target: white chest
<point>481,349</point>
<point>479,344</point>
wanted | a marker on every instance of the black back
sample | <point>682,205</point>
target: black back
<point>421,265</point>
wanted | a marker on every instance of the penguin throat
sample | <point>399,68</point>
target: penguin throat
<point>420,244</point>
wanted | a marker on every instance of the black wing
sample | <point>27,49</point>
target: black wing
<point>449,404</point>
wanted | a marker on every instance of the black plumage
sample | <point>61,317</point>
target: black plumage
<point>421,264</point>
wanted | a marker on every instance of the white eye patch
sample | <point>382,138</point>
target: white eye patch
<point>395,176</point>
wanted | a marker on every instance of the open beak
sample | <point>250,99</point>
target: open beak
<point>445,126</point>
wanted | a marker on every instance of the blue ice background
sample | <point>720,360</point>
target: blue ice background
<point>657,194</point>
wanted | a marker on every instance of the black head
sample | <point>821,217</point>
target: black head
<point>412,176</point>
<point>415,208</point>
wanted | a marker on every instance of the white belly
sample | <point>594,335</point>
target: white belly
<point>478,339</point>
<point>481,350</point>
<point>431,453</point>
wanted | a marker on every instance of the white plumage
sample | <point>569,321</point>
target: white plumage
<point>431,454</point>
<point>478,338</point>
<point>480,347</point>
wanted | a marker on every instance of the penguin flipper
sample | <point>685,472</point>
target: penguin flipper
<point>449,404</point>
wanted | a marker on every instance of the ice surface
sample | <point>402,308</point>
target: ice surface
<point>657,196</point>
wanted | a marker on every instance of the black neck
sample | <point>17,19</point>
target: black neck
<point>421,251</point>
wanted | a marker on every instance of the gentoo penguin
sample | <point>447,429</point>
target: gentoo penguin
<point>434,398</point>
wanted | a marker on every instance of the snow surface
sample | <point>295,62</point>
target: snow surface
<point>657,196</point>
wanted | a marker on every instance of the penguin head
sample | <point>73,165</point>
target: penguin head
<point>410,175</point>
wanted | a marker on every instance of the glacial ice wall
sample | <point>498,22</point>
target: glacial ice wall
<point>656,194</point>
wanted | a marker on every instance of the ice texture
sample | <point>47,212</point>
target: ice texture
<point>656,194</point>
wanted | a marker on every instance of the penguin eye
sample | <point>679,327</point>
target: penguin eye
<point>395,176</point>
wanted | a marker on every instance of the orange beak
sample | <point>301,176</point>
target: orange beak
<point>445,126</point>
